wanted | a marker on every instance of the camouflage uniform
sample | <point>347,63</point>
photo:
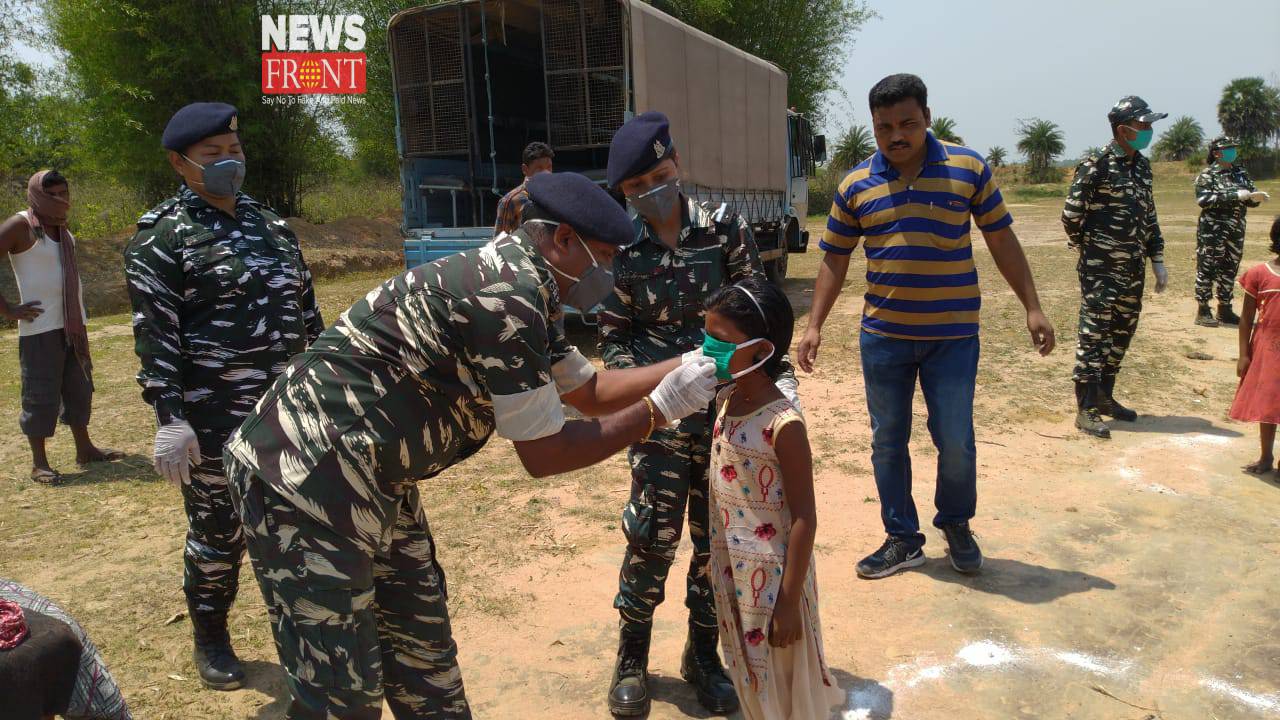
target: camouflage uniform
<point>1110,217</point>
<point>411,380</point>
<point>1220,232</point>
<point>219,307</point>
<point>655,314</point>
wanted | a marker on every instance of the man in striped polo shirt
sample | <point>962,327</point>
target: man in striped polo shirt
<point>910,205</point>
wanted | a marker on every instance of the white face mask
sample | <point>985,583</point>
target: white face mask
<point>753,368</point>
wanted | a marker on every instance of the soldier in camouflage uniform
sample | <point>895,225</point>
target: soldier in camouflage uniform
<point>412,380</point>
<point>683,251</point>
<point>221,300</point>
<point>1110,218</point>
<point>1224,192</point>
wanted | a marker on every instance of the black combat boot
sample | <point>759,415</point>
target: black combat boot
<point>1226,315</point>
<point>1088,419</point>
<point>701,668</point>
<point>1108,404</point>
<point>1204,316</point>
<point>216,662</point>
<point>629,691</point>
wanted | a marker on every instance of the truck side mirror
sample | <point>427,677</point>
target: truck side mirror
<point>820,148</point>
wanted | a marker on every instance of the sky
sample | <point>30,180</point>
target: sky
<point>989,63</point>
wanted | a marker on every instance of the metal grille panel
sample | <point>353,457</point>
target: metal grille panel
<point>430,79</point>
<point>584,53</point>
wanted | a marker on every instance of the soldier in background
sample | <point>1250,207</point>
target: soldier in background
<point>683,251</point>
<point>221,300</point>
<point>1110,218</point>
<point>1224,192</point>
<point>536,158</point>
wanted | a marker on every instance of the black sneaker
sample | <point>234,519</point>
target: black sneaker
<point>966,557</point>
<point>894,555</point>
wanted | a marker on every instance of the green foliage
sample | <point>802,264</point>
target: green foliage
<point>1041,141</point>
<point>822,188</point>
<point>133,63</point>
<point>1091,151</point>
<point>996,156</point>
<point>854,145</point>
<point>352,194</point>
<point>944,128</point>
<point>371,125</point>
<point>1250,110</point>
<point>1183,139</point>
<point>808,39</point>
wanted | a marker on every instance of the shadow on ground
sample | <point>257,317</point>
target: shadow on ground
<point>267,678</point>
<point>1016,580</point>
<point>1173,425</point>
<point>865,698</point>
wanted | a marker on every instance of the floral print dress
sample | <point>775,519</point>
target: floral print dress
<point>750,525</point>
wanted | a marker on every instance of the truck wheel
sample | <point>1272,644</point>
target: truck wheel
<point>776,270</point>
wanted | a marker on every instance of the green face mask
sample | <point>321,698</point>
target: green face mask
<point>1142,140</point>
<point>1229,155</point>
<point>722,352</point>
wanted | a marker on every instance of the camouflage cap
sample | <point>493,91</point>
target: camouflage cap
<point>1223,141</point>
<point>1132,107</point>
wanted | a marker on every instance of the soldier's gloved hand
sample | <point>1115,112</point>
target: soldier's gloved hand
<point>177,449</point>
<point>686,390</point>
<point>1162,276</point>
<point>1243,194</point>
<point>690,356</point>
<point>1259,196</point>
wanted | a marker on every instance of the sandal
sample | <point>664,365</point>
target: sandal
<point>45,476</point>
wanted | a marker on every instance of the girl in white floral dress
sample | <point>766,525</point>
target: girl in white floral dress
<point>762,515</point>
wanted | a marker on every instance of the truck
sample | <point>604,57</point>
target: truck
<point>476,80</point>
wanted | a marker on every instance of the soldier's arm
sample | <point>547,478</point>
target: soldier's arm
<point>582,443</point>
<point>614,326</point>
<point>612,390</point>
<point>310,308</point>
<point>1155,239</point>
<point>153,276</point>
<point>1075,209</point>
<point>1248,185</point>
<point>1210,195</point>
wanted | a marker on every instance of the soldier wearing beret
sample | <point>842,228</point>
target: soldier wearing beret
<point>412,380</point>
<point>1110,218</point>
<point>1224,192</point>
<point>682,251</point>
<point>221,300</point>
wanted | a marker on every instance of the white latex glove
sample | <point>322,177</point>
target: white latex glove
<point>1259,196</point>
<point>690,356</point>
<point>177,449</point>
<point>1242,194</point>
<point>1162,276</point>
<point>686,390</point>
<point>790,389</point>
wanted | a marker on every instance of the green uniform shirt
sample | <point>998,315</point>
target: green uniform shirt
<point>1110,213</point>
<point>220,304</point>
<point>1217,193</point>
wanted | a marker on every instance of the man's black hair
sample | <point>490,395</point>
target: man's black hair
<point>51,179</point>
<point>536,151</point>
<point>1275,235</point>
<point>775,325</point>
<point>896,88</point>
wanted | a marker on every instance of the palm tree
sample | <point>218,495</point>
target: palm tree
<point>1250,110</point>
<point>1041,141</point>
<point>854,146</point>
<point>1182,140</point>
<point>1089,152</point>
<point>995,156</point>
<point>944,128</point>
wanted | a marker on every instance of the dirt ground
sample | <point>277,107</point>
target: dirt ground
<point>1132,578</point>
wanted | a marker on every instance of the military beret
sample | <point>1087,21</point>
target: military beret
<point>1223,141</point>
<point>196,122</point>
<point>572,199</point>
<point>1132,107</point>
<point>641,143</point>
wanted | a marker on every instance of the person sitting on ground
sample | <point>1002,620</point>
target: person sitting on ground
<point>1258,395</point>
<point>763,520</point>
<point>53,345</point>
<point>535,159</point>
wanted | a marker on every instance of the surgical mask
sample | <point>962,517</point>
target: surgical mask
<point>1142,140</point>
<point>657,203</point>
<point>589,290</point>
<point>1228,155</point>
<point>222,177</point>
<point>722,352</point>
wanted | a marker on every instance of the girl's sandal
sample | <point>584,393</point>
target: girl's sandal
<point>44,476</point>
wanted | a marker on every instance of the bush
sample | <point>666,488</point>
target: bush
<point>822,188</point>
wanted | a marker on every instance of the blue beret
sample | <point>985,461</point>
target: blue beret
<point>572,199</point>
<point>196,122</point>
<point>641,142</point>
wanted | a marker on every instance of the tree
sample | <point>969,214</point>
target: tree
<point>995,156</point>
<point>1092,151</point>
<point>1041,141</point>
<point>1250,110</point>
<point>944,128</point>
<point>133,64</point>
<point>808,39</point>
<point>1183,139</point>
<point>855,145</point>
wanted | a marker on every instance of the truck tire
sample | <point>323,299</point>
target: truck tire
<point>776,270</point>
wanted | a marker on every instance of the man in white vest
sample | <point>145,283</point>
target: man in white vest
<point>53,345</point>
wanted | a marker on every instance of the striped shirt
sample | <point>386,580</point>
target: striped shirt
<point>921,280</point>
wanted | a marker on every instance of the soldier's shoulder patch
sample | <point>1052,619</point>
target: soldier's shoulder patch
<point>168,208</point>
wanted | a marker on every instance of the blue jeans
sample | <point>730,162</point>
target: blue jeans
<point>947,370</point>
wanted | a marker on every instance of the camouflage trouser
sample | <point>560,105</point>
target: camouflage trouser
<point>668,471</point>
<point>1109,309</point>
<point>215,543</point>
<point>1219,247</point>
<point>352,625</point>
